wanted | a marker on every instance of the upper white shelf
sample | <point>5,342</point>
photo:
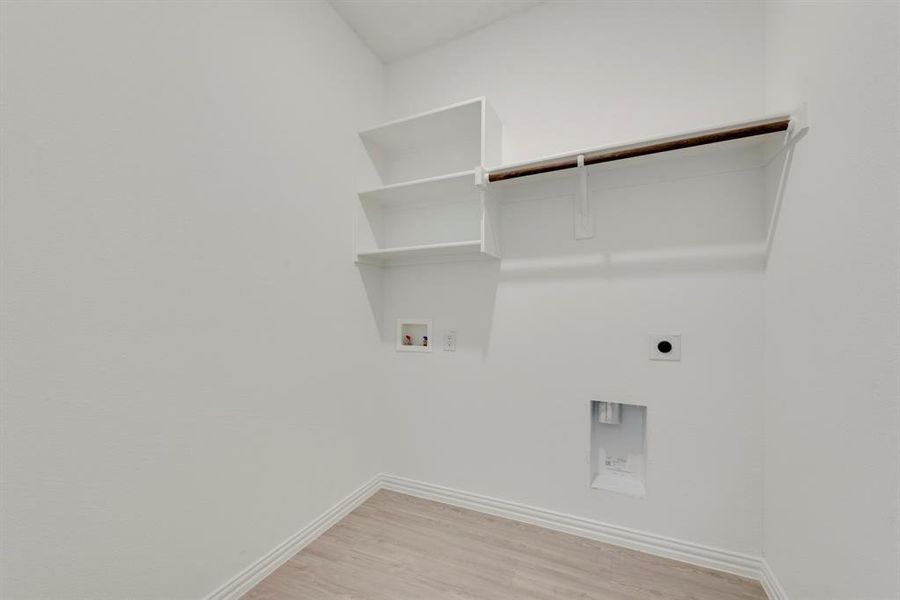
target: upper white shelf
<point>754,141</point>
<point>455,138</point>
<point>458,122</point>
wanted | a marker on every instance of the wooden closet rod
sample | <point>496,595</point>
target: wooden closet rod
<point>594,157</point>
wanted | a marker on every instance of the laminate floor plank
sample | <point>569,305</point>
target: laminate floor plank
<point>398,547</point>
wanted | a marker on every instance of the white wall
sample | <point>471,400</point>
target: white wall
<point>570,75</point>
<point>187,344</point>
<point>187,351</point>
<point>507,415</point>
<point>832,495</point>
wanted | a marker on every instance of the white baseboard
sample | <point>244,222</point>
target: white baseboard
<point>695,554</point>
<point>249,577</point>
<point>770,583</point>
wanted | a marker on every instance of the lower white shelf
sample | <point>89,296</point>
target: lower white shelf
<point>427,253</point>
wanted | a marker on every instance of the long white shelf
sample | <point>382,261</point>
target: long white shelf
<point>448,251</point>
<point>455,186</point>
<point>764,133</point>
<point>454,123</point>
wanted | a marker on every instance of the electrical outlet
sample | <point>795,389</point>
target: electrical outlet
<point>665,346</point>
<point>450,340</point>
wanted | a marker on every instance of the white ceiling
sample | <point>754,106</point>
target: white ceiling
<point>395,29</point>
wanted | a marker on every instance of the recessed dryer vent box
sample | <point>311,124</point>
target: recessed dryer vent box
<point>618,447</point>
<point>414,335</point>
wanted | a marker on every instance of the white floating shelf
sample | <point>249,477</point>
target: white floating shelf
<point>459,122</point>
<point>454,138</point>
<point>432,206</point>
<point>455,186</point>
<point>765,135</point>
<point>428,253</point>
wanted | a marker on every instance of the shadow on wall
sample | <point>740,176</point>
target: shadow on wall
<point>449,294</point>
<point>372,280</point>
<point>668,261</point>
<point>659,217</point>
<point>651,218</point>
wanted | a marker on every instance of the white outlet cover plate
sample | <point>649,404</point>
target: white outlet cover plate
<point>672,338</point>
<point>450,340</point>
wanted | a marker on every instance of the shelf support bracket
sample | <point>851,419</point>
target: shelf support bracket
<point>797,128</point>
<point>481,177</point>
<point>584,221</point>
<point>798,125</point>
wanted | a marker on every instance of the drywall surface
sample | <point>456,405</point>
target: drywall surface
<point>187,344</point>
<point>832,496</point>
<point>573,75</point>
<point>560,323</point>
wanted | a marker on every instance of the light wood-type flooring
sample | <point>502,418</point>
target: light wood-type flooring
<point>397,547</point>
